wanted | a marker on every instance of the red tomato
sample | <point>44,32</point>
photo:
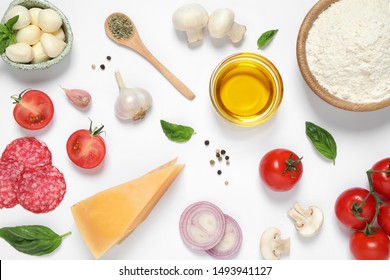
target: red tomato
<point>375,246</point>
<point>280,169</point>
<point>349,213</point>
<point>86,148</point>
<point>381,180</point>
<point>33,110</point>
<point>384,217</point>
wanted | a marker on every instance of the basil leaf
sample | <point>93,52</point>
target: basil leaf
<point>322,140</point>
<point>3,45</point>
<point>33,240</point>
<point>176,132</point>
<point>266,38</point>
<point>3,29</point>
<point>8,36</point>
<point>11,22</point>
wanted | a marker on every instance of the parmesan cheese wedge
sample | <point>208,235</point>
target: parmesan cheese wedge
<point>108,217</point>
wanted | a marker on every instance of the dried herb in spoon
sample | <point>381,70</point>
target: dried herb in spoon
<point>120,27</point>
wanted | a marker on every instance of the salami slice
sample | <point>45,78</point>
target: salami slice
<point>41,189</point>
<point>10,174</point>
<point>29,151</point>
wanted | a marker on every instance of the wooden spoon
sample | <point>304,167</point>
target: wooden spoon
<point>133,41</point>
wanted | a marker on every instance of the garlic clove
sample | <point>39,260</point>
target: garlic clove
<point>79,97</point>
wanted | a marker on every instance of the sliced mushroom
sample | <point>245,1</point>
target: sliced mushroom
<point>191,18</point>
<point>272,246</point>
<point>307,222</point>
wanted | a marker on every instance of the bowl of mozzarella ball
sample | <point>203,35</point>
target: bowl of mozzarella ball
<point>43,36</point>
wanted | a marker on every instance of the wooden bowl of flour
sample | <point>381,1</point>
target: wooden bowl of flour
<point>323,71</point>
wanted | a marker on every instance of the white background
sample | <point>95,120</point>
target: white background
<point>135,148</point>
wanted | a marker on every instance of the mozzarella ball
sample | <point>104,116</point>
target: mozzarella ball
<point>49,20</point>
<point>29,35</point>
<point>24,16</point>
<point>52,45</point>
<point>34,12</point>
<point>19,52</point>
<point>60,34</point>
<point>39,54</point>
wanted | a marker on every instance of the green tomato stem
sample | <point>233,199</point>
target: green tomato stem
<point>369,230</point>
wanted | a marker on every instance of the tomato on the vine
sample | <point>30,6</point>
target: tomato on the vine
<point>372,246</point>
<point>350,210</point>
<point>86,148</point>
<point>381,180</point>
<point>280,169</point>
<point>33,110</point>
<point>384,217</point>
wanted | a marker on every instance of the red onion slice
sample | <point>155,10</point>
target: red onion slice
<point>231,240</point>
<point>202,225</point>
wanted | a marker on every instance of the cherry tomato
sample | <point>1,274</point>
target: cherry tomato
<point>381,180</point>
<point>349,211</point>
<point>280,169</point>
<point>86,148</point>
<point>384,217</point>
<point>33,110</point>
<point>375,246</point>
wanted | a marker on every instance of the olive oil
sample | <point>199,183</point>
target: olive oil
<point>246,91</point>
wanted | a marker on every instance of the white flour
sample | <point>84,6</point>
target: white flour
<point>348,50</point>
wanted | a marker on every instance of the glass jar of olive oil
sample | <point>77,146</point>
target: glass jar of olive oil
<point>246,89</point>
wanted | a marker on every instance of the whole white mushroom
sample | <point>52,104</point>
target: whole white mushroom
<point>221,23</point>
<point>49,20</point>
<point>191,18</point>
<point>24,16</point>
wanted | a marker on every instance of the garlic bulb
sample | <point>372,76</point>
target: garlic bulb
<point>132,103</point>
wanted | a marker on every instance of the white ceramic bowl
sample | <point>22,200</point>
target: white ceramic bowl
<point>65,26</point>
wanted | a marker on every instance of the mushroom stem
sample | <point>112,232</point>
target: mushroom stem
<point>280,246</point>
<point>307,222</point>
<point>236,32</point>
<point>194,35</point>
<point>300,215</point>
<point>272,246</point>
